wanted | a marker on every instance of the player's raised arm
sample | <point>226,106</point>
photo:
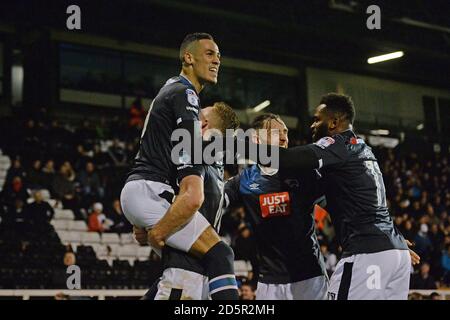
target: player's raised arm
<point>311,156</point>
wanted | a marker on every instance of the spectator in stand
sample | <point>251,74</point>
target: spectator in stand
<point>39,212</point>
<point>430,214</point>
<point>415,296</point>
<point>71,175</point>
<point>64,190</point>
<point>15,213</point>
<point>445,263</point>
<point>131,150</point>
<point>423,279</point>
<point>247,292</point>
<point>42,118</point>
<point>100,158</point>
<point>118,154</point>
<point>102,129</point>
<point>323,223</point>
<point>90,183</point>
<point>16,170</point>
<point>97,219</point>
<point>416,211</point>
<point>32,135</point>
<point>423,244</point>
<point>435,296</point>
<point>86,134</point>
<point>35,176</point>
<point>245,247</point>
<point>438,204</point>
<point>60,275</point>
<point>14,190</point>
<point>48,174</point>
<point>120,223</point>
<point>408,231</point>
<point>437,242</point>
<point>82,157</point>
<point>137,115</point>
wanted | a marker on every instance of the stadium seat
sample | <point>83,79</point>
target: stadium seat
<point>53,202</point>
<point>3,170</point>
<point>76,225</point>
<point>75,246</point>
<point>241,268</point>
<point>5,162</point>
<point>101,250</point>
<point>143,253</point>
<point>60,224</point>
<point>130,260</point>
<point>127,251</point>
<point>127,238</point>
<point>71,237</point>
<point>108,260</point>
<point>89,237</point>
<point>108,238</point>
<point>114,249</point>
<point>63,214</point>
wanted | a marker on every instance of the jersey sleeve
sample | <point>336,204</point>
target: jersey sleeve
<point>186,108</point>
<point>330,151</point>
<point>232,196</point>
<point>186,104</point>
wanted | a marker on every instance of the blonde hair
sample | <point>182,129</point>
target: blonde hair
<point>226,116</point>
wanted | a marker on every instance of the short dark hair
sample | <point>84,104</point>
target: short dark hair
<point>261,121</point>
<point>434,294</point>
<point>192,37</point>
<point>339,104</point>
<point>248,284</point>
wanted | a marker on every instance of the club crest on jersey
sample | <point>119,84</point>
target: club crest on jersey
<point>192,97</point>
<point>324,142</point>
<point>184,158</point>
<point>275,204</point>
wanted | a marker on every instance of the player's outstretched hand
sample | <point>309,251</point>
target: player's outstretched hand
<point>140,235</point>
<point>155,238</point>
<point>415,258</point>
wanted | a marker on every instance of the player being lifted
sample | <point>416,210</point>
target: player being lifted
<point>147,197</point>
<point>184,277</point>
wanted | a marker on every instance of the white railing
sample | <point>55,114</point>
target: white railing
<point>101,294</point>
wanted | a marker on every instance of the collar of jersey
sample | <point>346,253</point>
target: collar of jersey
<point>267,171</point>
<point>348,132</point>
<point>186,81</point>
